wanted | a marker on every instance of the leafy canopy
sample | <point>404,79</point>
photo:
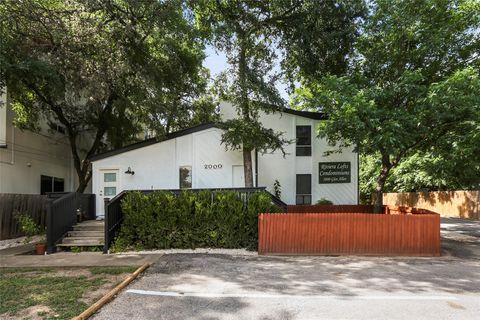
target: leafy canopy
<point>104,70</point>
<point>412,84</point>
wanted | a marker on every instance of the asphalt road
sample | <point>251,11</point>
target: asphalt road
<point>207,286</point>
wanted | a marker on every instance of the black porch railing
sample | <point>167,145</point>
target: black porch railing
<point>62,210</point>
<point>114,214</point>
<point>113,219</point>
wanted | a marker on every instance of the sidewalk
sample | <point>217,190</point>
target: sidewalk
<point>83,259</point>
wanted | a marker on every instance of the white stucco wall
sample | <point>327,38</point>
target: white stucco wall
<point>275,166</point>
<point>157,166</point>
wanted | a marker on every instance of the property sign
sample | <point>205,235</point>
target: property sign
<point>334,172</point>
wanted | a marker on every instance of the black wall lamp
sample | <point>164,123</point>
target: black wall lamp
<point>129,171</point>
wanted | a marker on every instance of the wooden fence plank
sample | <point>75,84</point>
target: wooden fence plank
<point>349,233</point>
<point>11,204</point>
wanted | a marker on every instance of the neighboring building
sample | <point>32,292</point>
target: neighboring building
<point>33,162</point>
<point>195,158</point>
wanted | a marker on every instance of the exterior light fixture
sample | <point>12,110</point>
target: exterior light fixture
<point>129,171</point>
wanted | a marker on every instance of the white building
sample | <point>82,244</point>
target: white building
<point>195,158</point>
<point>33,162</point>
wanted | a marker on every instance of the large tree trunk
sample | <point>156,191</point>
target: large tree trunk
<point>83,180</point>
<point>242,75</point>
<point>382,178</point>
<point>378,205</point>
<point>248,168</point>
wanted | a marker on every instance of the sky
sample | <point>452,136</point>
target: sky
<point>217,62</point>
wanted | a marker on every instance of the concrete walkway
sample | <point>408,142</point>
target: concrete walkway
<point>83,259</point>
<point>460,239</point>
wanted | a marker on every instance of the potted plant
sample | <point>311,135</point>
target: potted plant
<point>30,228</point>
<point>41,245</point>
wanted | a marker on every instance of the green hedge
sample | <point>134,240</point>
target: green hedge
<point>162,220</point>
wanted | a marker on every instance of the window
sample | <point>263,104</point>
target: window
<point>51,184</point>
<point>110,177</point>
<point>304,141</point>
<point>304,189</point>
<point>185,174</point>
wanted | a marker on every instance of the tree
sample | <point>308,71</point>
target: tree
<point>412,85</point>
<point>99,68</point>
<point>452,165</point>
<point>240,29</point>
<point>256,36</point>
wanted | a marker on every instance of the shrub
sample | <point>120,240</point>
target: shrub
<point>162,220</point>
<point>324,201</point>
<point>28,226</point>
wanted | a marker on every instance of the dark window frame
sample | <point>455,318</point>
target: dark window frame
<point>303,141</point>
<point>183,180</point>
<point>51,184</point>
<point>303,195</point>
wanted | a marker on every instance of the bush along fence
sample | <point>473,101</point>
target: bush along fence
<point>35,206</point>
<point>399,231</point>
<point>188,219</point>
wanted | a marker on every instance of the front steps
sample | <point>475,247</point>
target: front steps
<point>88,233</point>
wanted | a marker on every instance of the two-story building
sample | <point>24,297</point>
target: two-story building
<point>196,158</point>
<point>33,162</point>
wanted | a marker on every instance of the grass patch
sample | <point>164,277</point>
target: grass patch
<point>8,270</point>
<point>62,290</point>
<point>112,270</point>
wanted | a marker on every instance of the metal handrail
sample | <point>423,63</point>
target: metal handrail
<point>62,214</point>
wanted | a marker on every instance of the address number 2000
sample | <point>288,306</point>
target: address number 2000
<point>213,166</point>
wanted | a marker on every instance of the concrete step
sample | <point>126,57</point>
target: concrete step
<point>82,241</point>
<point>86,233</point>
<point>87,244</point>
<point>91,222</point>
<point>82,227</point>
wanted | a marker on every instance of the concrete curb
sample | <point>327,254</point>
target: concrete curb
<point>109,296</point>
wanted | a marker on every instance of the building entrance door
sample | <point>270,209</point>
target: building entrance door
<point>238,177</point>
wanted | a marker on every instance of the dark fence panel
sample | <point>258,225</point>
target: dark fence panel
<point>31,204</point>
<point>62,212</point>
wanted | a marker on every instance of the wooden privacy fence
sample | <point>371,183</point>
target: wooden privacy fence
<point>30,204</point>
<point>349,234</point>
<point>460,204</point>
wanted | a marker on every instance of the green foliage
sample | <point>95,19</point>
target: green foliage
<point>324,201</point>
<point>277,189</point>
<point>241,30</point>
<point>308,37</point>
<point>28,226</point>
<point>75,249</point>
<point>457,170</point>
<point>413,85</point>
<point>161,220</point>
<point>110,68</point>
